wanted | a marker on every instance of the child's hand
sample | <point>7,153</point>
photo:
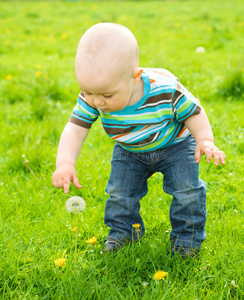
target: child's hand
<point>63,175</point>
<point>210,150</point>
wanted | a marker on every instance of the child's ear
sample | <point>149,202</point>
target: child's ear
<point>137,74</point>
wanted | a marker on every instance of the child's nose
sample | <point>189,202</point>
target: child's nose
<point>98,101</point>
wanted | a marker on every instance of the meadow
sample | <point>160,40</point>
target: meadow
<point>38,91</point>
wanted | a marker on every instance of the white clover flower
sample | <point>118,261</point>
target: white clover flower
<point>200,50</point>
<point>75,204</point>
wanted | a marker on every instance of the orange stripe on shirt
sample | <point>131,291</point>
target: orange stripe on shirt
<point>180,133</point>
<point>144,127</point>
<point>118,136</point>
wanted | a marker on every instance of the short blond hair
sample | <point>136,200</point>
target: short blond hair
<point>108,45</point>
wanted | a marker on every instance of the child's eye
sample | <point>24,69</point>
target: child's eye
<point>107,96</point>
<point>88,94</point>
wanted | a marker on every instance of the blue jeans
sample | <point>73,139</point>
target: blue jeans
<point>128,184</point>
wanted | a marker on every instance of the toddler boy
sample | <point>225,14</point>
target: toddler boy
<point>158,126</point>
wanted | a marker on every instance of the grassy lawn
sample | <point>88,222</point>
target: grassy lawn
<point>38,91</point>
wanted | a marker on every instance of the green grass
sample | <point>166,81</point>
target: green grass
<point>38,90</point>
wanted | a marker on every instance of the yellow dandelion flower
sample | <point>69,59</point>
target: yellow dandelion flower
<point>92,240</point>
<point>6,30</point>
<point>136,226</point>
<point>74,229</point>
<point>60,262</point>
<point>38,73</point>
<point>94,7</point>
<point>64,36</point>
<point>177,25</point>
<point>188,82</point>
<point>160,275</point>
<point>9,77</point>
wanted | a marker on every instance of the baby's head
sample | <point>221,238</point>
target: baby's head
<point>107,55</point>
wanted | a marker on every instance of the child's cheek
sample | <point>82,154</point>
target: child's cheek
<point>90,102</point>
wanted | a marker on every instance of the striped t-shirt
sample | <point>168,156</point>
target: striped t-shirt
<point>155,121</point>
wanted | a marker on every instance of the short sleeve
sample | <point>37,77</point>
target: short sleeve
<point>184,104</point>
<point>83,114</point>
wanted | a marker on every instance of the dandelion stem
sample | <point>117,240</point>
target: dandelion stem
<point>76,237</point>
<point>32,172</point>
<point>138,234</point>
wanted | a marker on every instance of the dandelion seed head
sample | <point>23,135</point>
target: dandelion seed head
<point>75,204</point>
<point>200,50</point>
<point>234,284</point>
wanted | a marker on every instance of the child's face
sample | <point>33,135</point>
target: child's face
<point>108,93</point>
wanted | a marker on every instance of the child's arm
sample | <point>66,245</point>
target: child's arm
<point>69,147</point>
<point>200,129</point>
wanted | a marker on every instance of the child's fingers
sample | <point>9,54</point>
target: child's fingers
<point>59,183</point>
<point>222,157</point>
<point>216,157</point>
<point>210,150</point>
<point>197,154</point>
<point>209,154</point>
<point>76,182</point>
<point>66,185</point>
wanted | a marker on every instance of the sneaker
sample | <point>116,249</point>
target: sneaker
<point>185,252</point>
<point>111,245</point>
